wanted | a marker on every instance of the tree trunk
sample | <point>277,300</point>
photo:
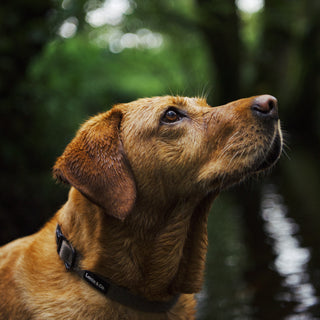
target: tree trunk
<point>220,24</point>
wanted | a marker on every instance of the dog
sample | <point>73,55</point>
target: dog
<point>131,241</point>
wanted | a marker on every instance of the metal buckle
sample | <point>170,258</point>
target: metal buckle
<point>68,255</point>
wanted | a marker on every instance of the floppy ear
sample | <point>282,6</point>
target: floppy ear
<point>95,164</point>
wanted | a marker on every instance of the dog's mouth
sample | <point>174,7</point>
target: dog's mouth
<point>272,155</point>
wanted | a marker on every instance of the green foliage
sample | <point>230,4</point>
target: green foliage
<point>76,78</point>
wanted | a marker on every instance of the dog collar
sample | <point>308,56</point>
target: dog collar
<point>69,256</point>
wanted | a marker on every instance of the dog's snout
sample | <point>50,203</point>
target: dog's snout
<point>265,106</point>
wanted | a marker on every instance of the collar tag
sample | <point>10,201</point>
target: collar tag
<point>96,281</point>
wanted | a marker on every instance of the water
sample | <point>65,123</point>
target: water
<point>270,274</point>
<point>291,257</point>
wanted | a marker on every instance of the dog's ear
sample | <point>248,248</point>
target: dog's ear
<point>95,164</point>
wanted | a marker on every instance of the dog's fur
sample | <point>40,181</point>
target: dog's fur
<point>142,186</point>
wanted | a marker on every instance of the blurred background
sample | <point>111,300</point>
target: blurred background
<point>63,61</point>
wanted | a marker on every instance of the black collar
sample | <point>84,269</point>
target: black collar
<point>122,295</point>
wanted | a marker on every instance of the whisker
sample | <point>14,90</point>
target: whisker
<point>233,157</point>
<point>224,152</point>
<point>230,142</point>
<point>285,145</point>
<point>286,154</point>
<point>205,91</point>
<point>227,148</point>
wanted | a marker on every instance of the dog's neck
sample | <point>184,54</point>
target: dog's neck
<point>153,258</point>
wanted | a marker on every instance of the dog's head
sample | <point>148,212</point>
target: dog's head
<point>169,147</point>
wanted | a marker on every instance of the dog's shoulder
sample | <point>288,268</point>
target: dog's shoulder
<point>11,256</point>
<point>10,253</point>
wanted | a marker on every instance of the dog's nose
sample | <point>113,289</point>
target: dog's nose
<point>265,106</point>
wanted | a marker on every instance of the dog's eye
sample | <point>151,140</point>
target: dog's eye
<point>171,116</point>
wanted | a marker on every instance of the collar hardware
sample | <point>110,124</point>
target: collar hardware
<point>70,257</point>
<point>65,250</point>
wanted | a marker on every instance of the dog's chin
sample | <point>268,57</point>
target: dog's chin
<point>259,166</point>
<point>271,157</point>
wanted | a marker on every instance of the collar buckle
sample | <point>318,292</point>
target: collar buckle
<point>65,250</point>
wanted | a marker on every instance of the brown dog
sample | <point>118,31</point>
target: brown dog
<point>132,238</point>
